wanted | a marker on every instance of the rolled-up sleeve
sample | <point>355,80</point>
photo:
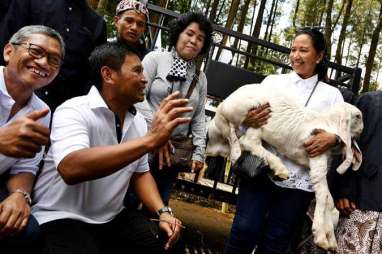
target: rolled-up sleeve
<point>69,133</point>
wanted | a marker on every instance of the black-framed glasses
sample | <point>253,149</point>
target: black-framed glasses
<point>38,52</point>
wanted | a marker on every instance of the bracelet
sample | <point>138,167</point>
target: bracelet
<point>26,195</point>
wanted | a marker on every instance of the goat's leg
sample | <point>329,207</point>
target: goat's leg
<point>251,141</point>
<point>322,228</point>
<point>331,221</point>
<point>234,144</point>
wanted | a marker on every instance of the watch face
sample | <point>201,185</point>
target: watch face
<point>165,209</point>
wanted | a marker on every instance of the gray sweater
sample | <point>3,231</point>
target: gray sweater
<point>156,67</point>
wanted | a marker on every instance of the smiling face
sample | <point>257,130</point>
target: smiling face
<point>130,26</point>
<point>304,57</point>
<point>190,42</point>
<point>129,81</point>
<point>28,71</point>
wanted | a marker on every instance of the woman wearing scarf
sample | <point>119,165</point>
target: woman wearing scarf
<point>167,72</point>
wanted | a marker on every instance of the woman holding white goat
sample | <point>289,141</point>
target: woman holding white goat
<point>269,211</point>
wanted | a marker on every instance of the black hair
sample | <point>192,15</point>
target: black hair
<point>110,54</point>
<point>184,20</point>
<point>319,45</point>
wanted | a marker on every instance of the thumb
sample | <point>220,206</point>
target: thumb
<point>317,131</point>
<point>37,114</point>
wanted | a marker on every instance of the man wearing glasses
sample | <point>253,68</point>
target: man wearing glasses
<point>33,57</point>
<point>82,30</point>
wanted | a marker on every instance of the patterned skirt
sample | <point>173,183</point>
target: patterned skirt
<point>360,233</point>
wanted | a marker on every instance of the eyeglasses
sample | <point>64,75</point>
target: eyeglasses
<point>38,52</point>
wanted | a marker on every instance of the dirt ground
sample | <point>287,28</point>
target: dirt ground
<point>206,228</point>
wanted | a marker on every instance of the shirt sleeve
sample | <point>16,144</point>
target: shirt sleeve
<point>198,125</point>
<point>143,164</point>
<point>69,133</point>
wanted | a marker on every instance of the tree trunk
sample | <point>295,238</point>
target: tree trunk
<point>208,5</point>
<point>93,4</point>
<point>269,20</point>
<point>243,12</point>
<point>102,6</point>
<point>256,32</point>
<point>295,13</point>
<point>214,10</point>
<point>345,22</point>
<point>328,27</point>
<point>273,21</point>
<point>322,13</point>
<point>339,15</point>
<point>372,51</point>
<point>220,10</point>
<point>348,51</point>
<point>229,24</point>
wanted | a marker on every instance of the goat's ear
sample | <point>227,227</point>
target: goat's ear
<point>345,134</point>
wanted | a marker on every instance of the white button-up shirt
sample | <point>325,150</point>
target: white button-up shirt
<point>79,123</point>
<point>16,165</point>
<point>323,98</point>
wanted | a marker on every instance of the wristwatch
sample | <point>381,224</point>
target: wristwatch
<point>165,209</point>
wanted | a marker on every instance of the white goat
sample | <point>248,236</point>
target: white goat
<point>289,126</point>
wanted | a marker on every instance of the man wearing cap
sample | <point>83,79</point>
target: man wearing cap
<point>130,23</point>
<point>33,57</point>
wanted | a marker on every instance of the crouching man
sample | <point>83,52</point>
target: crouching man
<point>99,144</point>
<point>33,57</point>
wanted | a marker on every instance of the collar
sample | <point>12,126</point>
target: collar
<point>96,101</point>
<point>4,92</point>
<point>308,83</point>
<point>3,88</point>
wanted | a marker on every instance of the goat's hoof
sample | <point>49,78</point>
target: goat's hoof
<point>322,242</point>
<point>332,244</point>
<point>284,175</point>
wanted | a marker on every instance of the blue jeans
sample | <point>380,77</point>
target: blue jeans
<point>267,216</point>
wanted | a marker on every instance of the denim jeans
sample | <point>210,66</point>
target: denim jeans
<point>267,217</point>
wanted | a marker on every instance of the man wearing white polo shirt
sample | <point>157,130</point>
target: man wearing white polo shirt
<point>33,58</point>
<point>99,144</point>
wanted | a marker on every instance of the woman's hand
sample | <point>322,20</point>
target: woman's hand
<point>258,117</point>
<point>196,166</point>
<point>164,155</point>
<point>320,142</point>
<point>345,206</point>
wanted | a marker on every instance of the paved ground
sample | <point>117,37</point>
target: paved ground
<point>206,228</point>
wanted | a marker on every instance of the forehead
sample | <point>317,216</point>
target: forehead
<point>132,14</point>
<point>131,61</point>
<point>194,26</point>
<point>303,39</point>
<point>50,44</point>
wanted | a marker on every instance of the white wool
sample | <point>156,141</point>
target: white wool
<point>288,128</point>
